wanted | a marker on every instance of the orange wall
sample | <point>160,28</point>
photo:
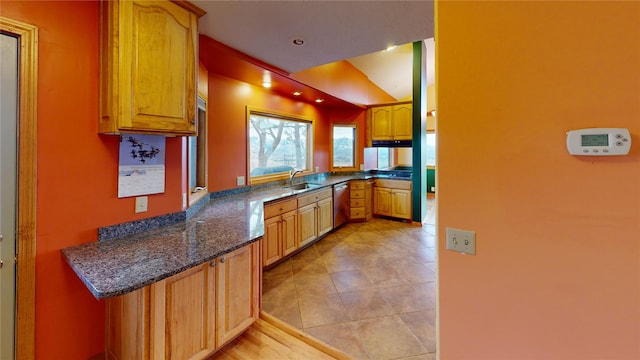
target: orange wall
<point>345,81</point>
<point>77,175</point>
<point>557,270</point>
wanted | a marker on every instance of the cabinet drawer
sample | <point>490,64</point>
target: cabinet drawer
<point>356,203</point>
<point>357,194</point>
<point>357,185</point>
<point>394,184</point>
<point>356,213</point>
<point>304,200</point>
<point>279,207</point>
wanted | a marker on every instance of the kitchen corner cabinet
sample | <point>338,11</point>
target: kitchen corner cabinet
<point>392,122</point>
<point>392,198</point>
<point>189,315</point>
<point>360,200</point>
<point>280,231</point>
<point>148,67</point>
<point>315,215</point>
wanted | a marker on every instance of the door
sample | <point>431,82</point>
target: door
<point>8,173</point>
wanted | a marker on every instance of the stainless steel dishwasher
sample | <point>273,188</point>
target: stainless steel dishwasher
<point>340,204</point>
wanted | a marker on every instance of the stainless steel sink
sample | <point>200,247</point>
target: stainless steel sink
<point>302,186</point>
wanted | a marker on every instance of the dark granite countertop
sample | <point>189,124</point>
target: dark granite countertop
<point>118,266</point>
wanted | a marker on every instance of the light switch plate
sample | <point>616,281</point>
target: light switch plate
<point>142,203</point>
<point>240,180</point>
<point>463,241</point>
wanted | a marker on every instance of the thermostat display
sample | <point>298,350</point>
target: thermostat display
<point>599,141</point>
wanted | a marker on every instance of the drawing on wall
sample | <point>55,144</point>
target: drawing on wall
<point>141,168</point>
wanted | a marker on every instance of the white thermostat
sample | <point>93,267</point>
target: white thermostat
<point>599,141</point>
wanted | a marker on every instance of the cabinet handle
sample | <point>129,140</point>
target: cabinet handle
<point>222,259</point>
<point>281,209</point>
<point>212,263</point>
<point>193,121</point>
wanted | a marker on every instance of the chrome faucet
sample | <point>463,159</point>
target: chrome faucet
<point>293,173</point>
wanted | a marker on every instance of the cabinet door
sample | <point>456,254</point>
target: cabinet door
<point>289,232</point>
<point>325,216</point>
<point>272,241</point>
<point>402,122</point>
<point>381,123</point>
<point>368,199</point>
<point>127,333</point>
<point>307,223</point>
<point>148,68</point>
<point>183,315</point>
<point>381,201</point>
<point>401,204</point>
<point>238,287</point>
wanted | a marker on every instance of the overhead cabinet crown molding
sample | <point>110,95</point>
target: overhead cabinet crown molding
<point>148,67</point>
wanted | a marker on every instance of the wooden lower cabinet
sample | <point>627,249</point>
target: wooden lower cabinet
<point>315,215</point>
<point>368,199</point>
<point>401,203</point>
<point>280,231</point>
<point>392,198</point>
<point>238,292</point>
<point>382,201</point>
<point>183,314</point>
<point>308,223</point>
<point>127,326</point>
<point>189,315</point>
<point>280,237</point>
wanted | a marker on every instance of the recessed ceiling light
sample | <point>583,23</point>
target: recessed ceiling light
<point>266,84</point>
<point>319,100</point>
<point>390,48</point>
<point>298,42</point>
<point>297,93</point>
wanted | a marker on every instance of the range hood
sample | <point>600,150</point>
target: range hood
<point>392,143</point>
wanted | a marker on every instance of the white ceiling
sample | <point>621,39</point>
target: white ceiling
<point>357,31</point>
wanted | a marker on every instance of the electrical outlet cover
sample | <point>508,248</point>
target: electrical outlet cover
<point>142,203</point>
<point>463,241</point>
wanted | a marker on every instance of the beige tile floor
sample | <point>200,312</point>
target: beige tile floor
<point>367,289</point>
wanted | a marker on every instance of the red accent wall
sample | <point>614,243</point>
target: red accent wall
<point>77,175</point>
<point>77,168</point>
<point>228,101</point>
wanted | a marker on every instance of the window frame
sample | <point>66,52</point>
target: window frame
<point>259,179</point>
<point>390,157</point>
<point>354,126</point>
<point>435,158</point>
<point>202,179</point>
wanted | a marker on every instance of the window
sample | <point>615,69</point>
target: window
<point>344,146</point>
<point>384,159</point>
<point>277,144</point>
<point>430,149</point>
<point>197,154</point>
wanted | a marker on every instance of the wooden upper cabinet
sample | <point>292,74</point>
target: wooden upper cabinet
<point>381,123</point>
<point>402,121</point>
<point>148,67</point>
<point>391,122</point>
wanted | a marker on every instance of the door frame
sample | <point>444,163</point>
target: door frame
<point>27,172</point>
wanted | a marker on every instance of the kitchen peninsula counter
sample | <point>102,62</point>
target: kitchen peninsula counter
<point>118,266</point>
